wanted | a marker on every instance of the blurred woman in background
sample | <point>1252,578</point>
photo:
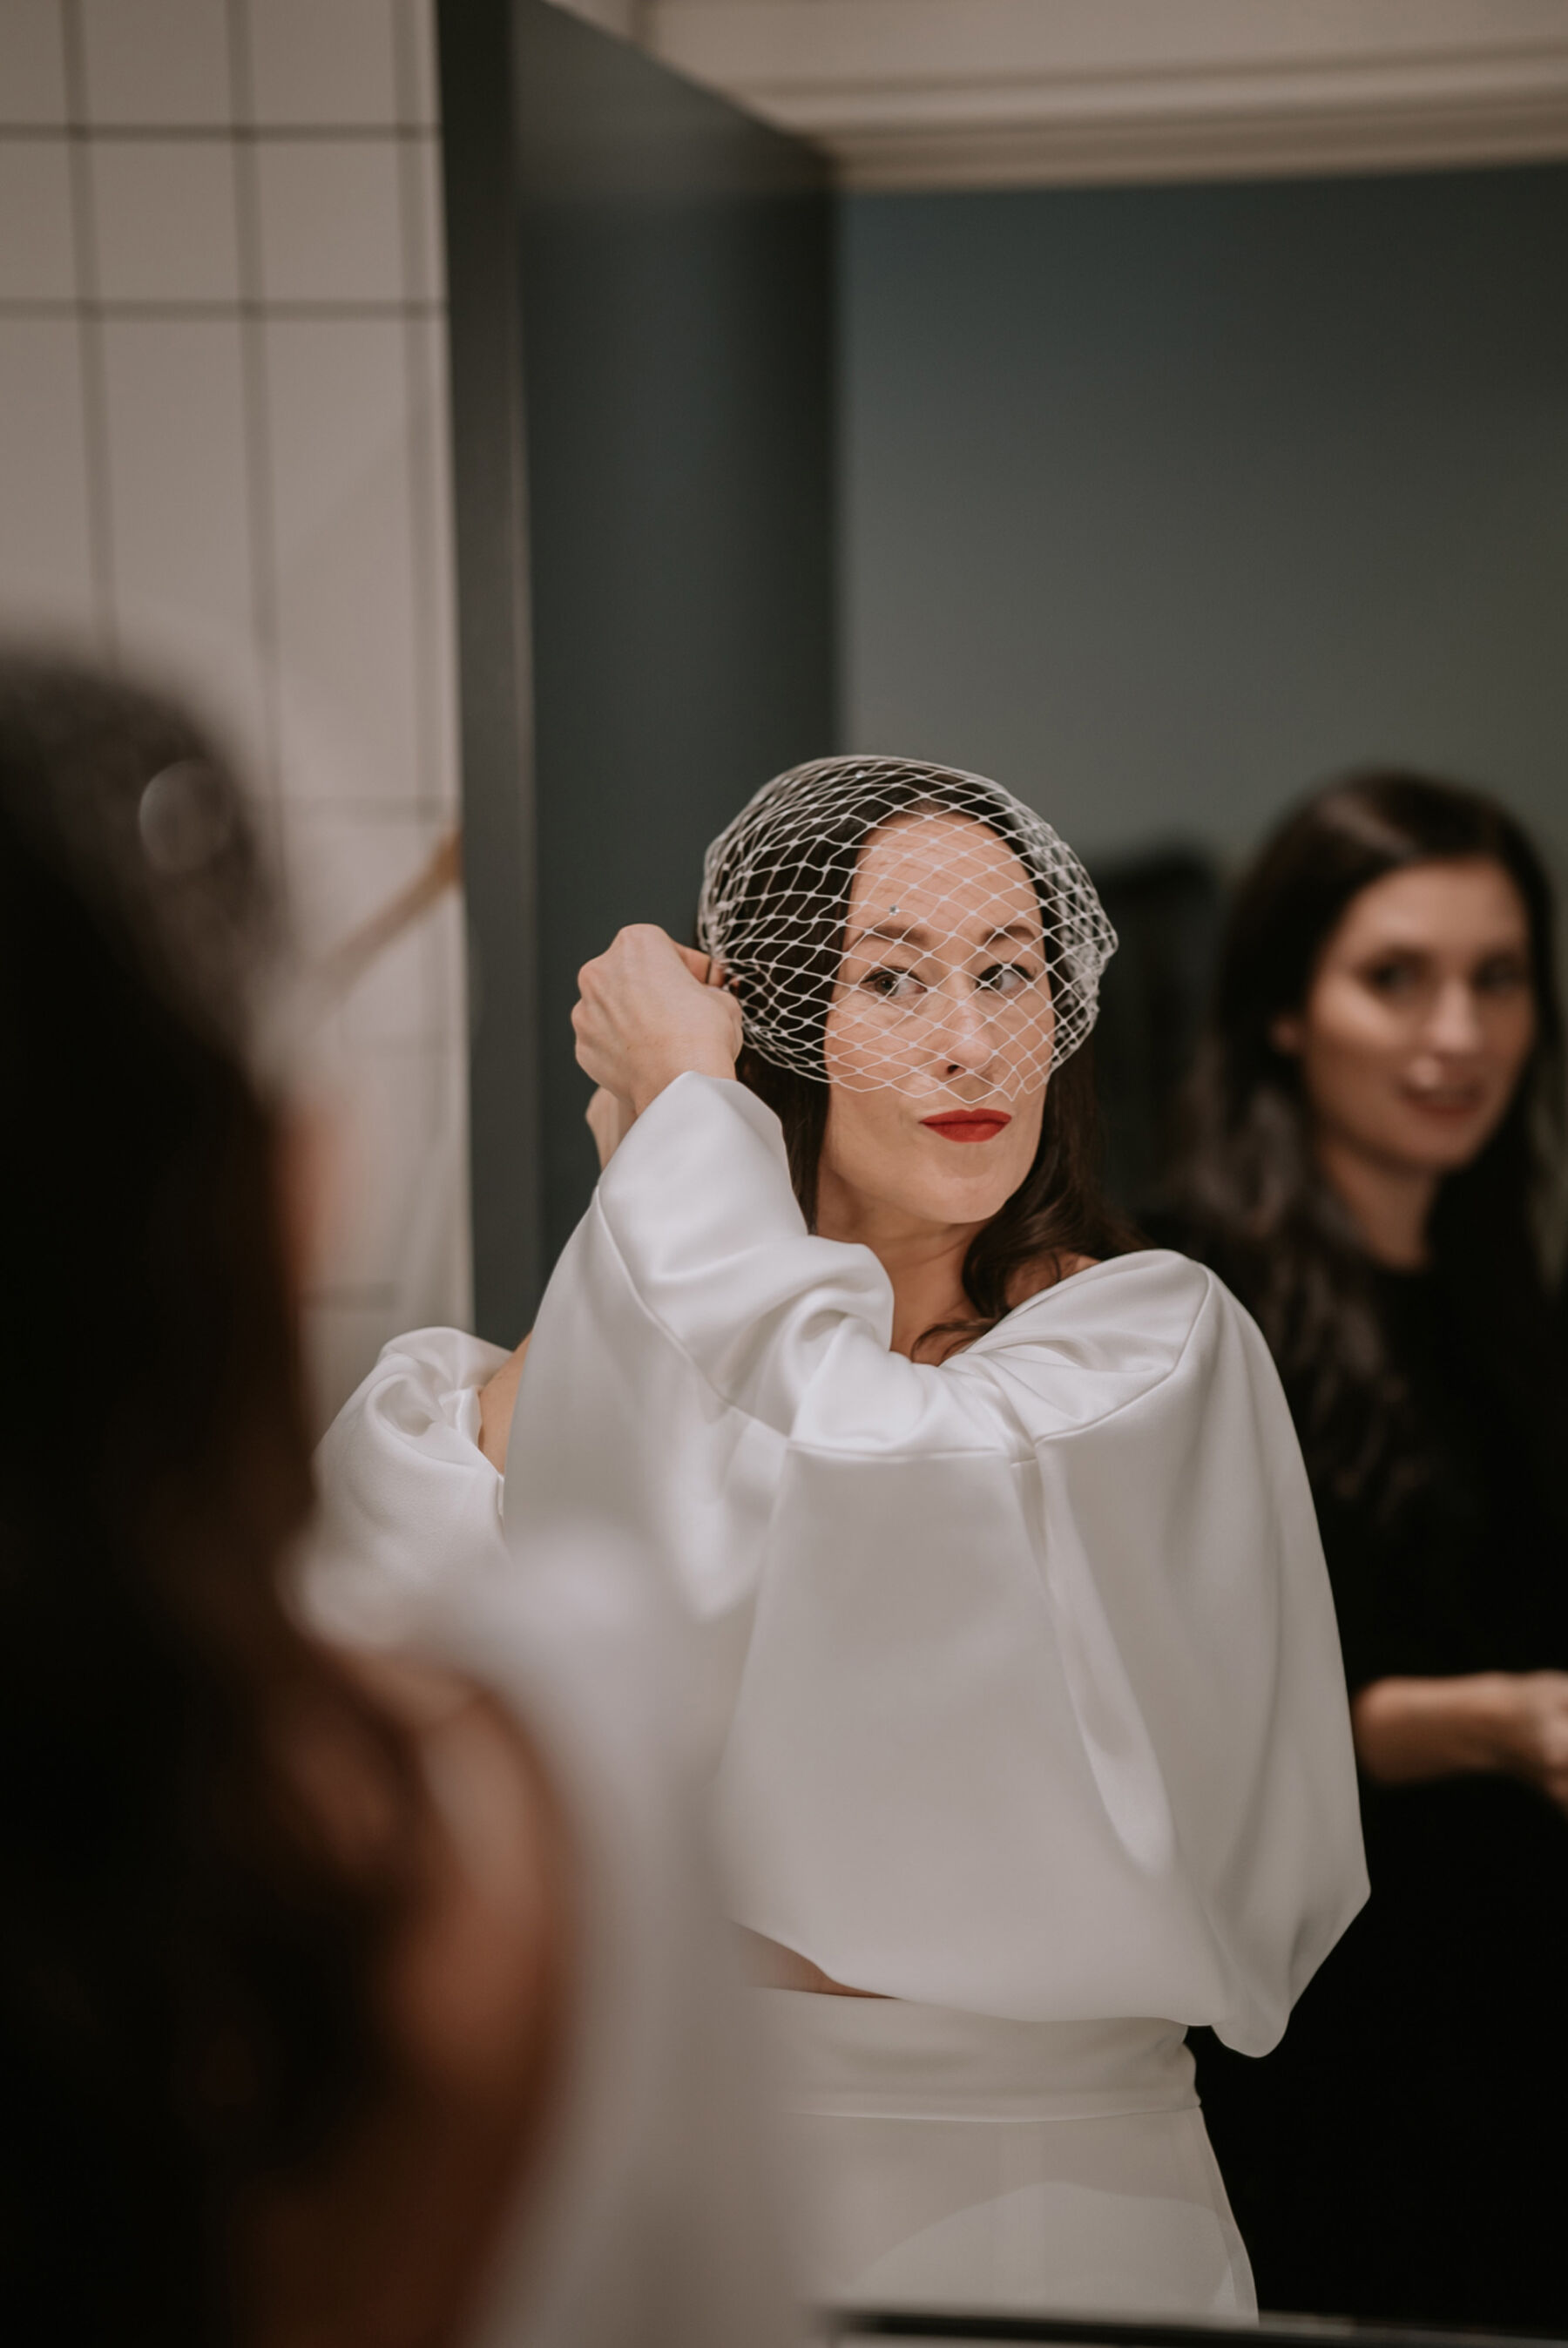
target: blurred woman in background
<point>1377,1143</point>
<point>328,2010</point>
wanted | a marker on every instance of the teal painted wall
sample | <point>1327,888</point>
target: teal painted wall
<point>1159,503</point>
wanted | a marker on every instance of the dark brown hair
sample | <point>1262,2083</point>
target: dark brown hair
<point>1058,1210</point>
<point>186,1961</point>
<point>1250,1188</point>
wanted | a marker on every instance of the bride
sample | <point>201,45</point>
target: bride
<point>1021,1683</point>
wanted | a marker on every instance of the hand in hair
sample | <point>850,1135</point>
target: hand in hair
<point>649,1011</point>
<point>610,1120</point>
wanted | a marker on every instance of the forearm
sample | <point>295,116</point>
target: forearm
<point>697,1216</point>
<point>496,1398</point>
<point>1408,1730</point>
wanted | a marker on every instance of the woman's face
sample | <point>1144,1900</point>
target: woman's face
<point>1420,1017</point>
<point>938,1044</point>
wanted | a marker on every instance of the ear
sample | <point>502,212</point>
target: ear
<point>1286,1034</point>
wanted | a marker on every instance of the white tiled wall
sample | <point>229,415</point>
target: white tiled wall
<point>223,454</point>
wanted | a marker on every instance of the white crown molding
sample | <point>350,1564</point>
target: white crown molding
<point>985,93</point>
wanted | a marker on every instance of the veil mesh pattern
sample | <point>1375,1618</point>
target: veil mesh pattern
<point>777,892</point>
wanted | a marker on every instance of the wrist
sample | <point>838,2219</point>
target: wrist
<point>1497,1721</point>
<point>657,1078</point>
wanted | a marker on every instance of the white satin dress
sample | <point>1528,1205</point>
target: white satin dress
<point>1019,1679</point>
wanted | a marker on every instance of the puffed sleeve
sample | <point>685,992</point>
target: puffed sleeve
<point>1024,1682</point>
<point>408,1503</point>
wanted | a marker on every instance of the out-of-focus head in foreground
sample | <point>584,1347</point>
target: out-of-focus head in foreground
<point>236,2099</point>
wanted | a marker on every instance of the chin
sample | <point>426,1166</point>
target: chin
<point>957,1195</point>
<point>960,1203</point>
<point>878,1147</point>
<point>1448,1153</point>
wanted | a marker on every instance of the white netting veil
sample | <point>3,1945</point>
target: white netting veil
<point>890,923</point>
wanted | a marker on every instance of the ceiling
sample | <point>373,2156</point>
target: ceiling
<point>1017,93</point>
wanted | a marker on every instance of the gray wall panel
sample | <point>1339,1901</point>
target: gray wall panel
<point>1160,502</point>
<point>642,311</point>
<point>677,308</point>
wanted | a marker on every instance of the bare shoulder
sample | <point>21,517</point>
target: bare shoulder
<point>484,1931</point>
<point>485,1955</point>
<point>417,1694</point>
<point>385,2242</point>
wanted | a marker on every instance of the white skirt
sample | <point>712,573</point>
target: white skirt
<point>952,2159</point>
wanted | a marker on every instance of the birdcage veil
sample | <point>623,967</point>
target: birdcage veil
<point>777,885</point>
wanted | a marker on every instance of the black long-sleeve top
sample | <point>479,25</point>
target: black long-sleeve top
<point>1402,2156</point>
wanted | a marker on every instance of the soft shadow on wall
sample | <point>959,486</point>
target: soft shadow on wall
<point>1161,503</point>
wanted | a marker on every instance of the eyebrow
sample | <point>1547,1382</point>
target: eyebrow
<point>1424,949</point>
<point>1021,933</point>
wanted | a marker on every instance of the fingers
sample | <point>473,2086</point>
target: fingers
<point>639,945</point>
<point>648,1011</point>
<point>645,937</point>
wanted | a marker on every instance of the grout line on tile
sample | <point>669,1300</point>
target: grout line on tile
<point>403,75</point>
<point>436,816</point>
<point>242,134</point>
<point>257,420</point>
<point>20,307</point>
<point>419,453</point>
<point>89,330</point>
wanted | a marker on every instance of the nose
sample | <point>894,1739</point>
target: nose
<point>1455,1024</point>
<point>963,1037</point>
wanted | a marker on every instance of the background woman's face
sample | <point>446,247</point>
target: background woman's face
<point>1419,1016</point>
<point>938,1044</point>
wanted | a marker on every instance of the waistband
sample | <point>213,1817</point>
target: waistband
<point>890,2058</point>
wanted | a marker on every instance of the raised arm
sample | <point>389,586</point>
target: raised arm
<point>609,1121</point>
<point>1054,1614</point>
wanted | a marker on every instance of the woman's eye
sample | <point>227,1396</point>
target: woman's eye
<point>1008,978</point>
<point>1502,975</point>
<point>892,986</point>
<point>1393,978</point>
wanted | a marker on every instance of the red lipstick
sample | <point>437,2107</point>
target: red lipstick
<point>968,1123</point>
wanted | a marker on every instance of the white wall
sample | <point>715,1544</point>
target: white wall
<point>223,453</point>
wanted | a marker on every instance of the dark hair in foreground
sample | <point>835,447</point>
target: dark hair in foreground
<point>186,1959</point>
<point>1058,1210</point>
<point>1250,1185</point>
